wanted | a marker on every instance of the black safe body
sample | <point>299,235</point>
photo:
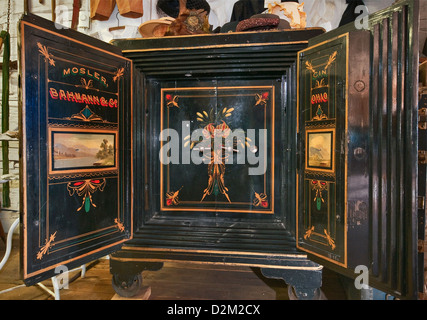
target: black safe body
<point>326,123</point>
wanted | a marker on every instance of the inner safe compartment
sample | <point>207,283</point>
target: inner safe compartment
<point>239,84</point>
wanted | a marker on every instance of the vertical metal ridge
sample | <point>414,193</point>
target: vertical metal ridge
<point>408,164</point>
<point>393,151</point>
<point>411,174</point>
<point>394,95</point>
<point>384,149</point>
<point>396,146</point>
<point>392,137</point>
<point>289,99</point>
<point>402,21</point>
<point>374,178</point>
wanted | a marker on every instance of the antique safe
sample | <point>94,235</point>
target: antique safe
<point>283,150</point>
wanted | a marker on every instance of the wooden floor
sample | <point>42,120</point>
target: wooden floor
<point>184,281</point>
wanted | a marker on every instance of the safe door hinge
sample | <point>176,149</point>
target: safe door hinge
<point>422,118</point>
<point>422,157</point>
<point>421,203</point>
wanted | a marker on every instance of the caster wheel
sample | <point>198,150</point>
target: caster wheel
<point>127,286</point>
<point>304,294</point>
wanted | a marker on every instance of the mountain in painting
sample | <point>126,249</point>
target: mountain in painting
<point>75,151</point>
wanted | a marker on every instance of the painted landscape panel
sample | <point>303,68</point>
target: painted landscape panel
<point>76,150</point>
<point>320,150</point>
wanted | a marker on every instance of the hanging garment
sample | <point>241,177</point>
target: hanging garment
<point>130,8</point>
<point>101,9</point>
<point>76,12</point>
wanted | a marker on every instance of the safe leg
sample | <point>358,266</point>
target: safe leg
<point>127,285</point>
<point>127,276</point>
<point>302,284</point>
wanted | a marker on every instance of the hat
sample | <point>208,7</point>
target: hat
<point>229,27</point>
<point>263,21</point>
<point>155,28</point>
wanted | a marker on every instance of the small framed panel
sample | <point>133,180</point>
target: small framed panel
<point>76,150</point>
<point>320,146</point>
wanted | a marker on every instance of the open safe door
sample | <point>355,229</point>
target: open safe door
<point>358,139</point>
<point>324,179</point>
<point>76,148</point>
